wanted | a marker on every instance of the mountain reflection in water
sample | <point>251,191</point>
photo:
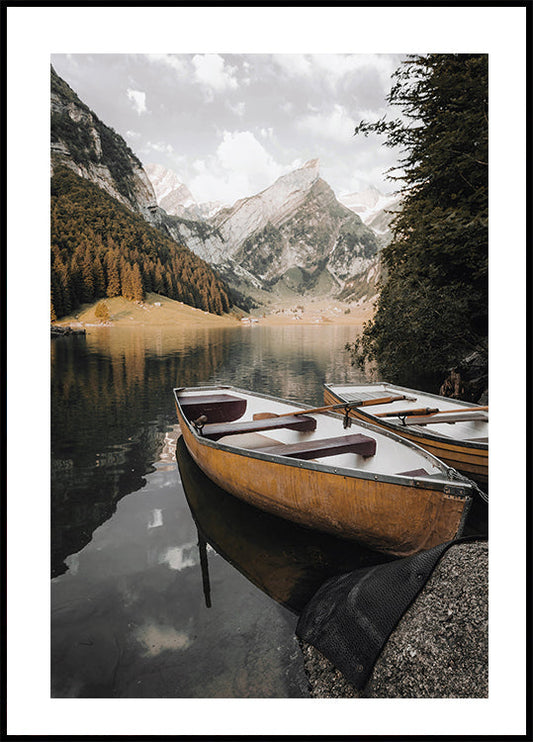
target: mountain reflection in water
<point>286,561</point>
<point>112,403</point>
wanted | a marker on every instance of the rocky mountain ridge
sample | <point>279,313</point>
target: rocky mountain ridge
<point>94,151</point>
<point>293,237</point>
<point>375,208</point>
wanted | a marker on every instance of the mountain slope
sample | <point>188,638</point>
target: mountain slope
<point>294,236</point>
<point>101,249</point>
<point>103,214</point>
<point>94,151</point>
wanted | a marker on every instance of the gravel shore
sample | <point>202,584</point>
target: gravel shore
<point>439,649</point>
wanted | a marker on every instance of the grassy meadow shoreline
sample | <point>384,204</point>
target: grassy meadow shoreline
<point>159,311</point>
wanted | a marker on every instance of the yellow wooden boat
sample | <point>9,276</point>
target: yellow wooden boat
<point>364,483</point>
<point>286,561</point>
<point>454,431</point>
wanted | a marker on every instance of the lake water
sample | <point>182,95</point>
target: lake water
<point>142,604</point>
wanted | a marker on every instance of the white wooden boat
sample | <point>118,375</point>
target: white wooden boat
<point>361,483</point>
<point>456,432</point>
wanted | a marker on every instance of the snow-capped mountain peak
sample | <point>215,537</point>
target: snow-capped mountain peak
<point>371,205</point>
<point>175,198</point>
<point>168,188</point>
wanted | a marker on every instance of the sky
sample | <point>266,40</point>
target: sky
<point>230,124</point>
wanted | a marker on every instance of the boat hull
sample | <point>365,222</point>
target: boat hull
<point>469,459</point>
<point>392,517</point>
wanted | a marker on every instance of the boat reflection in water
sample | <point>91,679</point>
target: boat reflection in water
<point>286,561</point>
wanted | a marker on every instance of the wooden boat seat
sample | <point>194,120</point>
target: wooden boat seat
<point>355,443</point>
<point>218,408</point>
<point>215,431</point>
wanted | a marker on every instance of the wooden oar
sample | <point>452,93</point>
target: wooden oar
<point>464,409</point>
<point>342,406</point>
<point>463,416</point>
<point>402,413</point>
<point>428,411</point>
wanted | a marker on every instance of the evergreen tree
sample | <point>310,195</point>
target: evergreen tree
<point>98,277</point>
<point>102,312</point>
<point>159,286</point>
<point>66,289</point>
<point>55,298</point>
<point>433,305</point>
<point>76,277</point>
<point>113,276</point>
<point>136,284</point>
<point>125,280</point>
<point>87,277</point>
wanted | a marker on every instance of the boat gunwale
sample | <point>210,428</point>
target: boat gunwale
<point>459,486</point>
<point>461,442</point>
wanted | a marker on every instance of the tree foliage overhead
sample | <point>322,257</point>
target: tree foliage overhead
<point>433,304</point>
<point>101,249</point>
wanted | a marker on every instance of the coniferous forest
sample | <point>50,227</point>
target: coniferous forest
<point>101,249</point>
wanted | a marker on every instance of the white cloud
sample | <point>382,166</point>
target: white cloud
<point>294,65</point>
<point>212,71</point>
<point>241,150</point>
<point>138,98</point>
<point>336,66</point>
<point>180,557</point>
<point>337,125</point>
<point>161,147</point>
<point>241,166</point>
<point>287,107</point>
<point>157,639</point>
<point>158,147</point>
<point>173,61</point>
<point>237,108</point>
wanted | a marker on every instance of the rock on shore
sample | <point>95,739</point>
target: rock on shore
<point>60,330</point>
<point>439,649</point>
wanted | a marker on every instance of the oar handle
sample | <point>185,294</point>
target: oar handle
<point>428,411</point>
<point>463,409</point>
<point>407,413</point>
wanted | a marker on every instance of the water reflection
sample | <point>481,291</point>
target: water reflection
<point>286,561</point>
<point>112,403</point>
<point>129,617</point>
<point>111,408</point>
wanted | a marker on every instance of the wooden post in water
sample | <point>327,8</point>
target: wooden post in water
<point>202,548</point>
